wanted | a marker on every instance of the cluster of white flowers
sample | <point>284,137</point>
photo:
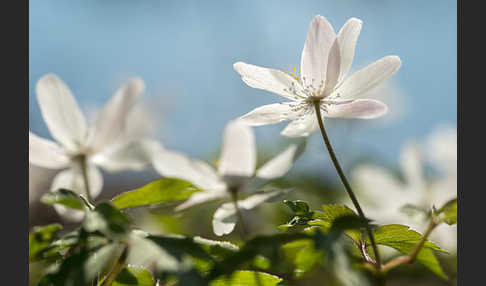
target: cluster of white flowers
<point>110,144</point>
<point>388,199</point>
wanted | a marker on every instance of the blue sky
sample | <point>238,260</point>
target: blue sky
<point>184,50</point>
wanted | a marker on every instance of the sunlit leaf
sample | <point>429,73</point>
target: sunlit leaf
<point>448,213</point>
<point>247,278</point>
<point>63,197</point>
<point>157,192</point>
<point>403,239</point>
<point>40,238</point>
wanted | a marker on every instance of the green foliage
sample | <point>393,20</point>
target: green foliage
<point>134,276</point>
<point>40,238</point>
<point>267,246</point>
<point>157,192</point>
<point>248,278</point>
<point>333,216</point>
<point>66,198</point>
<point>403,239</point>
<point>448,212</point>
<point>107,219</point>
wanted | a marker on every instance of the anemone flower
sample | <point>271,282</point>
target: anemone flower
<point>235,175</point>
<point>390,199</point>
<point>80,150</point>
<point>325,62</point>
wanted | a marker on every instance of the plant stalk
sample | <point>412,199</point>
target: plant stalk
<point>347,186</point>
<point>243,231</point>
<point>84,170</point>
<point>117,268</point>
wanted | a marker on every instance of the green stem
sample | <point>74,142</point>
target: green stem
<point>243,231</point>
<point>345,182</point>
<point>117,268</point>
<point>84,170</point>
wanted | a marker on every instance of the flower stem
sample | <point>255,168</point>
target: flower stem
<point>84,170</point>
<point>345,183</point>
<point>117,268</point>
<point>410,258</point>
<point>243,231</point>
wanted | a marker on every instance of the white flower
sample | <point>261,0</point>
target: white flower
<point>105,144</point>
<point>236,174</point>
<point>385,196</point>
<point>326,59</point>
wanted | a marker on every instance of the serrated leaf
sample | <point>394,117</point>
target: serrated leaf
<point>157,192</point>
<point>448,213</point>
<point>108,220</point>
<point>40,238</point>
<point>180,246</point>
<point>397,235</point>
<point>63,197</point>
<point>134,276</point>
<point>403,239</point>
<point>299,207</point>
<point>247,278</point>
<point>342,217</point>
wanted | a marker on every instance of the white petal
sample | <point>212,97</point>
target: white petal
<point>224,219</point>
<point>255,200</point>
<point>238,151</point>
<point>317,45</point>
<point>177,165</point>
<point>270,80</point>
<point>40,180</point>
<point>333,68</point>
<point>135,155</point>
<point>281,164</point>
<point>72,179</point>
<point>302,126</point>
<point>269,114</point>
<point>368,77</point>
<point>61,112</point>
<point>45,153</point>
<point>201,197</point>
<point>359,108</point>
<point>379,187</point>
<point>110,123</point>
<point>411,164</point>
<point>347,37</point>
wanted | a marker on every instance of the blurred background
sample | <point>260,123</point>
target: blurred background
<point>184,51</point>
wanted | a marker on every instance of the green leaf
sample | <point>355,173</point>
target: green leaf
<point>299,207</point>
<point>108,220</point>
<point>134,276</point>
<point>161,191</point>
<point>403,239</point>
<point>448,213</point>
<point>63,197</point>
<point>180,246</point>
<point>401,236</point>
<point>306,259</point>
<point>40,238</point>
<point>267,246</point>
<point>339,217</point>
<point>247,278</point>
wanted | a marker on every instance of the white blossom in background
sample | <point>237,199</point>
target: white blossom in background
<point>384,196</point>
<point>235,174</point>
<point>105,144</point>
<point>325,62</point>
